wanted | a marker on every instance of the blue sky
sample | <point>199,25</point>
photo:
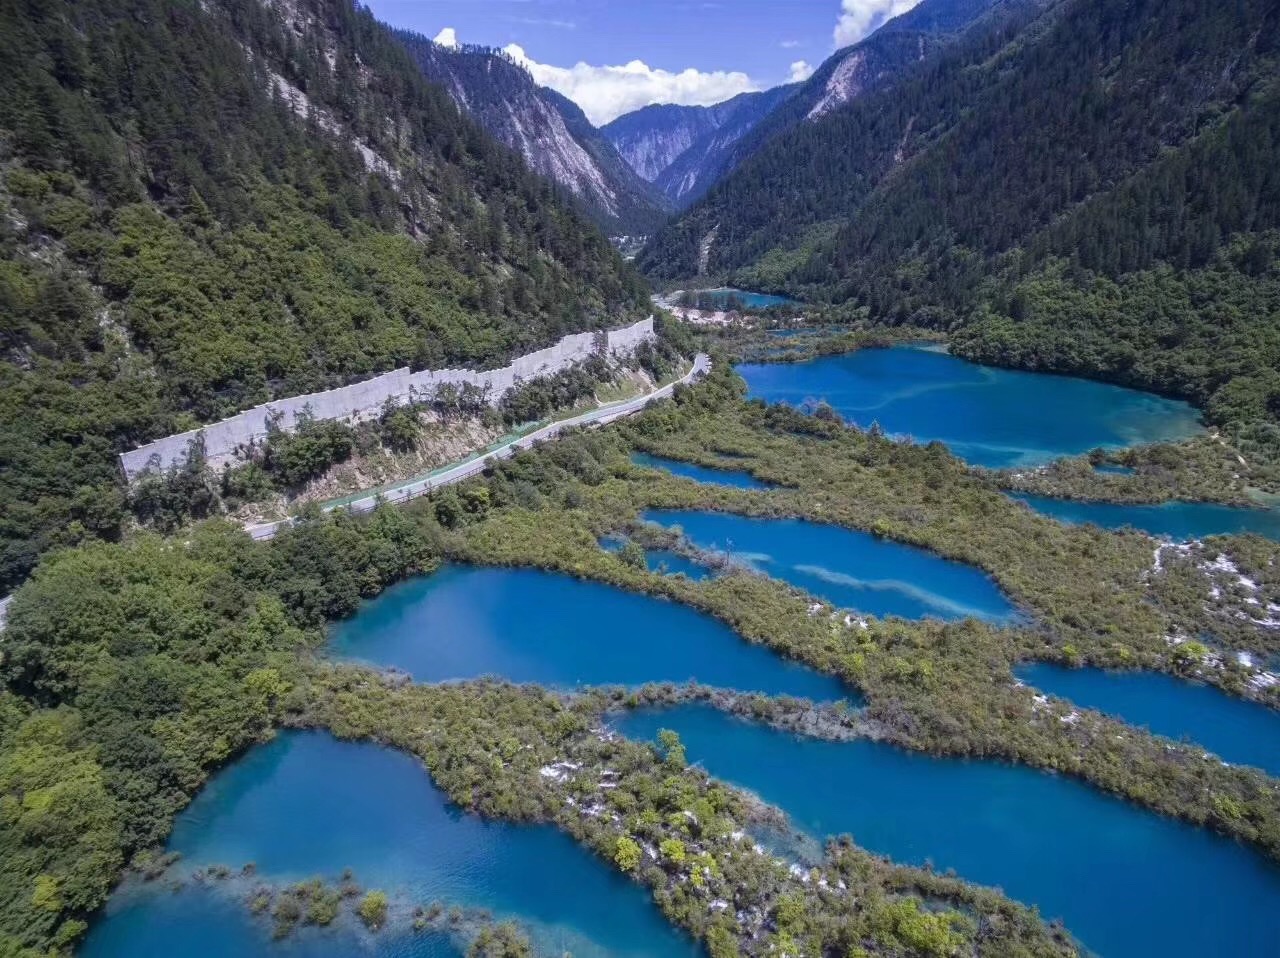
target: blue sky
<point>692,51</point>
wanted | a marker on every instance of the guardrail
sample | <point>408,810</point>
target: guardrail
<point>421,487</point>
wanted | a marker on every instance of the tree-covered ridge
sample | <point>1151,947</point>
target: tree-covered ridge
<point>795,175</point>
<point>1172,281</point>
<point>203,206</point>
<point>1101,142</point>
<point>991,139</point>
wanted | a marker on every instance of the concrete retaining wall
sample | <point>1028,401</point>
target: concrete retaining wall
<point>225,441</point>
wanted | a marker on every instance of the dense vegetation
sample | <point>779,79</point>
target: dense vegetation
<point>216,635</point>
<point>1088,187</point>
<point>131,671</point>
<point>200,213</point>
<point>1202,469</point>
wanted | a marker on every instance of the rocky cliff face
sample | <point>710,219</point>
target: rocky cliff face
<point>653,137</point>
<point>549,131</point>
<point>712,155</point>
<point>886,54</point>
<point>685,149</point>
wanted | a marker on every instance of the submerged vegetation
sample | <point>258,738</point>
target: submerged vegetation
<point>670,826</point>
<point>205,205</point>
<point>225,637</point>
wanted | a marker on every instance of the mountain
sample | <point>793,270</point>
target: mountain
<point>695,170</point>
<point>550,131</point>
<point>883,58</point>
<point>1088,187</point>
<point>684,149</point>
<point>205,205</point>
<point>651,138</point>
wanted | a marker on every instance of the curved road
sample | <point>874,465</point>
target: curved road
<point>412,489</point>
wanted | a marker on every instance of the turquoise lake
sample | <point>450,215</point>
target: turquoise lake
<point>853,570</point>
<point>1128,883</point>
<point>721,298</point>
<point>1241,732</point>
<point>1174,520</point>
<point>307,804</point>
<point>532,626</point>
<point>735,478</point>
<point>986,416</point>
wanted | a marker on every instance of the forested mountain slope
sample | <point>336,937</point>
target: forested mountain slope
<point>551,132</point>
<point>207,204</point>
<point>686,150</point>
<point>1036,183</point>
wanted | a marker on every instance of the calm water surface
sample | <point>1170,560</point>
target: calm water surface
<point>1128,883</point>
<point>532,626</point>
<point>1245,733</point>
<point>309,805</point>
<point>736,478</point>
<point>854,570</point>
<point>1182,521</point>
<point>986,416</point>
<point>721,298</point>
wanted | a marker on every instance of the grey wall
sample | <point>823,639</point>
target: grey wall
<point>224,441</point>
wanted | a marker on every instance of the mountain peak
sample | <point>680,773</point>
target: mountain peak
<point>548,130</point>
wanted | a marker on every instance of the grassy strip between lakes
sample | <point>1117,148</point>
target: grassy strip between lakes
<point>1213,468</point>
<point>527,755</point>
<point>133,671</point>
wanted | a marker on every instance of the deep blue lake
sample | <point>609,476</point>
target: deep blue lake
<point>1175,520</point>
<point>736,478</point>
<point>307,804</point>
<point>532,626</point>
<point>986,416</point>
<point>854,570</point>
<point>1128,883</point>
<point>1241,732</point>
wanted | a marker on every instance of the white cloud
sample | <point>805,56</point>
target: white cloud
<point>607,92</point>
<point>857,17</point>
<point>448,37</point>
<point>790,44</point>
<point>800,70</point>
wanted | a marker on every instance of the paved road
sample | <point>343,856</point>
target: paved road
<point>420,487</point>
